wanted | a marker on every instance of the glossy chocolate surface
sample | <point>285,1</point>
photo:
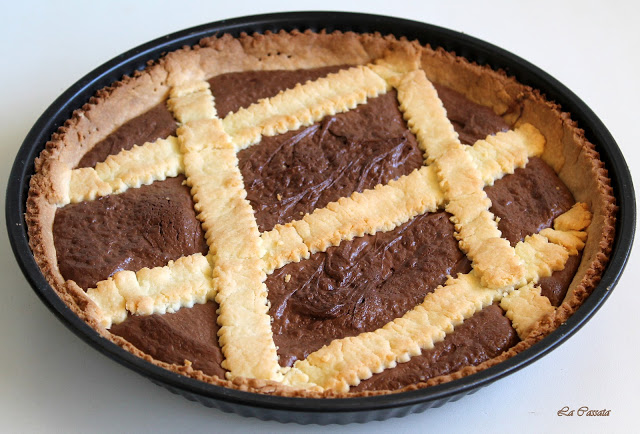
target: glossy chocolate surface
<point>360,285</point>
<point>483,336</point>
<point>142,227</point>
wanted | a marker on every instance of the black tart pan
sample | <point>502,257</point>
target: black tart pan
<point>304,410</point>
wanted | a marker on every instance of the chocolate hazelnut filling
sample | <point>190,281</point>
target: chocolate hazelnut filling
<point>142,227</point>
<point>354,287</point>
<point>237,90</point>
<point>530,201</point>
<point>157,123</point>
<point>471,121</point>
<point>189,334</point>
<point>289,175</point>
<point>555,286</point>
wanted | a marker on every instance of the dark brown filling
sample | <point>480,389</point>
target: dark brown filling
<point>157,123</point>
<point>524,214</point>
<point>555,286</point>
<point>238,90</point>
<point>294,173</point>
<point>189,334</point>
<point>354,287</point>
<point>142,227</point>
<point>471,121</point>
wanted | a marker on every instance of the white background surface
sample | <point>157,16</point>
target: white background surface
<point>52,381</point>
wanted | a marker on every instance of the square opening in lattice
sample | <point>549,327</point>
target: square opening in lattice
<point>292,174</point>
<point>360,285</point>
<point>142,227</point>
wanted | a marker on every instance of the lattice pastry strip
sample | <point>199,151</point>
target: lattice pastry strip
<point>540,257</point>
<point>303,105</point>
<point>345,362</point>
<point>192,101</point>
<point>494,260</point>
<point>386,207</point>
<point>578,218</point>
<point>138,166</point>
<point>569,231</point>
<point>181,283</point>
<point>525,308</point>
<point>500,154</point>
<point>380,209</point>
<point>235,250</point>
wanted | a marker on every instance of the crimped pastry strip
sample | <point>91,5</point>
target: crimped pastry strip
<point>235,250</point>
<point>181,283</point>
<point>191,101</point>
<point>385,207</point>
<point>525,308</point>
<point>303,105</point>
<point>133,168</point>
<point>494,260</point>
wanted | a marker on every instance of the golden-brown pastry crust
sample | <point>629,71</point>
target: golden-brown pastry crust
<point>566,150</point>
<point>181,283</point>
<point>138,166</point>
<point>303,105</point>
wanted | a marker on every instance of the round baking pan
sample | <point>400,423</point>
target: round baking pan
<point>304,410</point>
